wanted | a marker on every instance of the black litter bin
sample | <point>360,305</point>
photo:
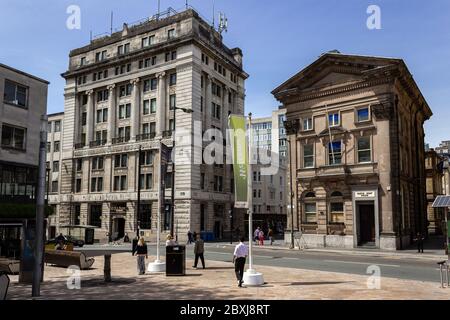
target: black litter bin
<point>176,261</point>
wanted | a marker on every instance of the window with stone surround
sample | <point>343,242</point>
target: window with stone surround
<point>95,215</point>
<point>336,207</point>
<point>364,150</point>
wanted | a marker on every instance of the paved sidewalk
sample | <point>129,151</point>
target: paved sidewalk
<point>218,282</point>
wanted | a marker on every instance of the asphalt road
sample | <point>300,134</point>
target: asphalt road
<point>392,267</point>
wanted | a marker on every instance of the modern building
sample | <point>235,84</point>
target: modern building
<point>122,93</point>
<point>355,125</point>
<point>23,103</point>
<point>54,153</point>
<point>269,188</point>
<point>434,187</point>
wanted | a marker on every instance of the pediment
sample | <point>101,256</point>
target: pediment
<point>335,70</point>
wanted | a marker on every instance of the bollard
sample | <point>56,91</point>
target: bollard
<point>446,273</point>
<point>441,273</point>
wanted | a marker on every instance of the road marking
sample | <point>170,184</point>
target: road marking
<point>364,263</point>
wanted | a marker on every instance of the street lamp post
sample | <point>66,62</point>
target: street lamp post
<point>40,204</point>
<point>138,209</point>
<point>292,128</point>
<point>172,216</point>
<point>231,226</point>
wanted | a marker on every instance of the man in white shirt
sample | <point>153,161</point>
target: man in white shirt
<point>256,235</point>
<point>240,255</point>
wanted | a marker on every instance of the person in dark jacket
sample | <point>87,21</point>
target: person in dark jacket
<point>419,239</point>
<point>142,254</point>
<point>199,251</point>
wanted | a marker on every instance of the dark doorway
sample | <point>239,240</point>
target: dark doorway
<point>366,224</point>
<point>52,232</point>
<point>217,230</point>
<point>119,228</point>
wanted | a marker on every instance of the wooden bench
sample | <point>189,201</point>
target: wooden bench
<point>4,285</point>
<point>64,258</point>
<point>9,266</point>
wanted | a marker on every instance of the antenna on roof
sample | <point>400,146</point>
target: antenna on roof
<point>90,36</point>
<point>223,23</point>
<point>112,17</point>
<point>187,4</point>
<point>159,9</point>
<point>214,14</point>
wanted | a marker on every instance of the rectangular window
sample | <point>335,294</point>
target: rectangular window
<point>95,217</point>
<point>363,114</point>
<point>120,183</point>
<point>13,137</point>
<point>333,119</point>
<point>202,181</point>
<point>308,156</point>
<point>97,184</point>
<point>97,163</point>
<point>121,160</point>
<point>364,150</point>
<point>337,212</point>
<point>82,61</point>
<point>78,185</point>
<point>307,124</point>
<point>49,147</point>
<point>79,165</point>
<point>173,101</point>
<point>58,126</point>
<point>56,145</point>
<point>15,94</point>
<point>310,213</point>
<point>146,181</point>
<point>55,186</point>
<point>171,34</point>
<point>55,166</point>
<point>173,79</point>
<point>146,107</point>
<point>335,153</point>
<point>153,106</point>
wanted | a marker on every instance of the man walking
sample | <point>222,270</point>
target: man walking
<point>199,250</point>
<point>240,255</point>
<point>419,240</point>
<point>256,235</point>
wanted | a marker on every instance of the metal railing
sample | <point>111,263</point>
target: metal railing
<point>97,143</point>
<point>80,145</point>
<point>146,136</point>
<point>119,140</point>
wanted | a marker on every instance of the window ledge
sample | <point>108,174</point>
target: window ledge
<point>13,148</point>
<point>15,105</point>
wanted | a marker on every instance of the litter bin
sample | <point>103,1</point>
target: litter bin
<point>176,261</point>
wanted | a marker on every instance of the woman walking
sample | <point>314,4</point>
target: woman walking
<point>142,254</point>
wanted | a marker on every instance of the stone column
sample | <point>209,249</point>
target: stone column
<point>112,113</point>
<point>90,117</point>
<point>161,104</point>
<point>77,124</point>
<point>208,101</point>
<point>135,110</point>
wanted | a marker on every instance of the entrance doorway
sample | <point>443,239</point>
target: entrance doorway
<point>118,229</point>
<point>217,230</point>
<point>366,224</point>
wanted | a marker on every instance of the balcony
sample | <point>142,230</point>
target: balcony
<point>80,145</point>
<point>146,136</point>
<point>97,143</point>
<point>119,140</point>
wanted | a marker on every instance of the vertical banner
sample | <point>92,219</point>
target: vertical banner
<point>239,152</point>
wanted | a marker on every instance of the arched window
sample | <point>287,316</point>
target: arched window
<point>310,195</point>
<point>336,194</point>
<point>310,208</point>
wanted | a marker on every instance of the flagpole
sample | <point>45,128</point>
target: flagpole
<point>157,265</point>
<point>251,277</point>
<point>250,197</point>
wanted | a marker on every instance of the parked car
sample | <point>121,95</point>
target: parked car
<point>68,239</point>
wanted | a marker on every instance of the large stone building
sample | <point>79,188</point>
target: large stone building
<point>434,166</point>
<point>23,103</point>
<point>269,188</point>
<point>122,93</point>
<point>356,129</point>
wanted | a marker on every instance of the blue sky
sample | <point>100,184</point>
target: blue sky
<point>278,39</point>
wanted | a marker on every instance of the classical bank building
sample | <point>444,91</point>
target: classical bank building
<point>355,125</point>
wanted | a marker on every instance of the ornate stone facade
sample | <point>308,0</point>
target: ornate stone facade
<point>358,156</point>
<point>119,100</point>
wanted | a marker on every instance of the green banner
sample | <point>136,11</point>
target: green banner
<point>239,149</point>
<point>448,229</point>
